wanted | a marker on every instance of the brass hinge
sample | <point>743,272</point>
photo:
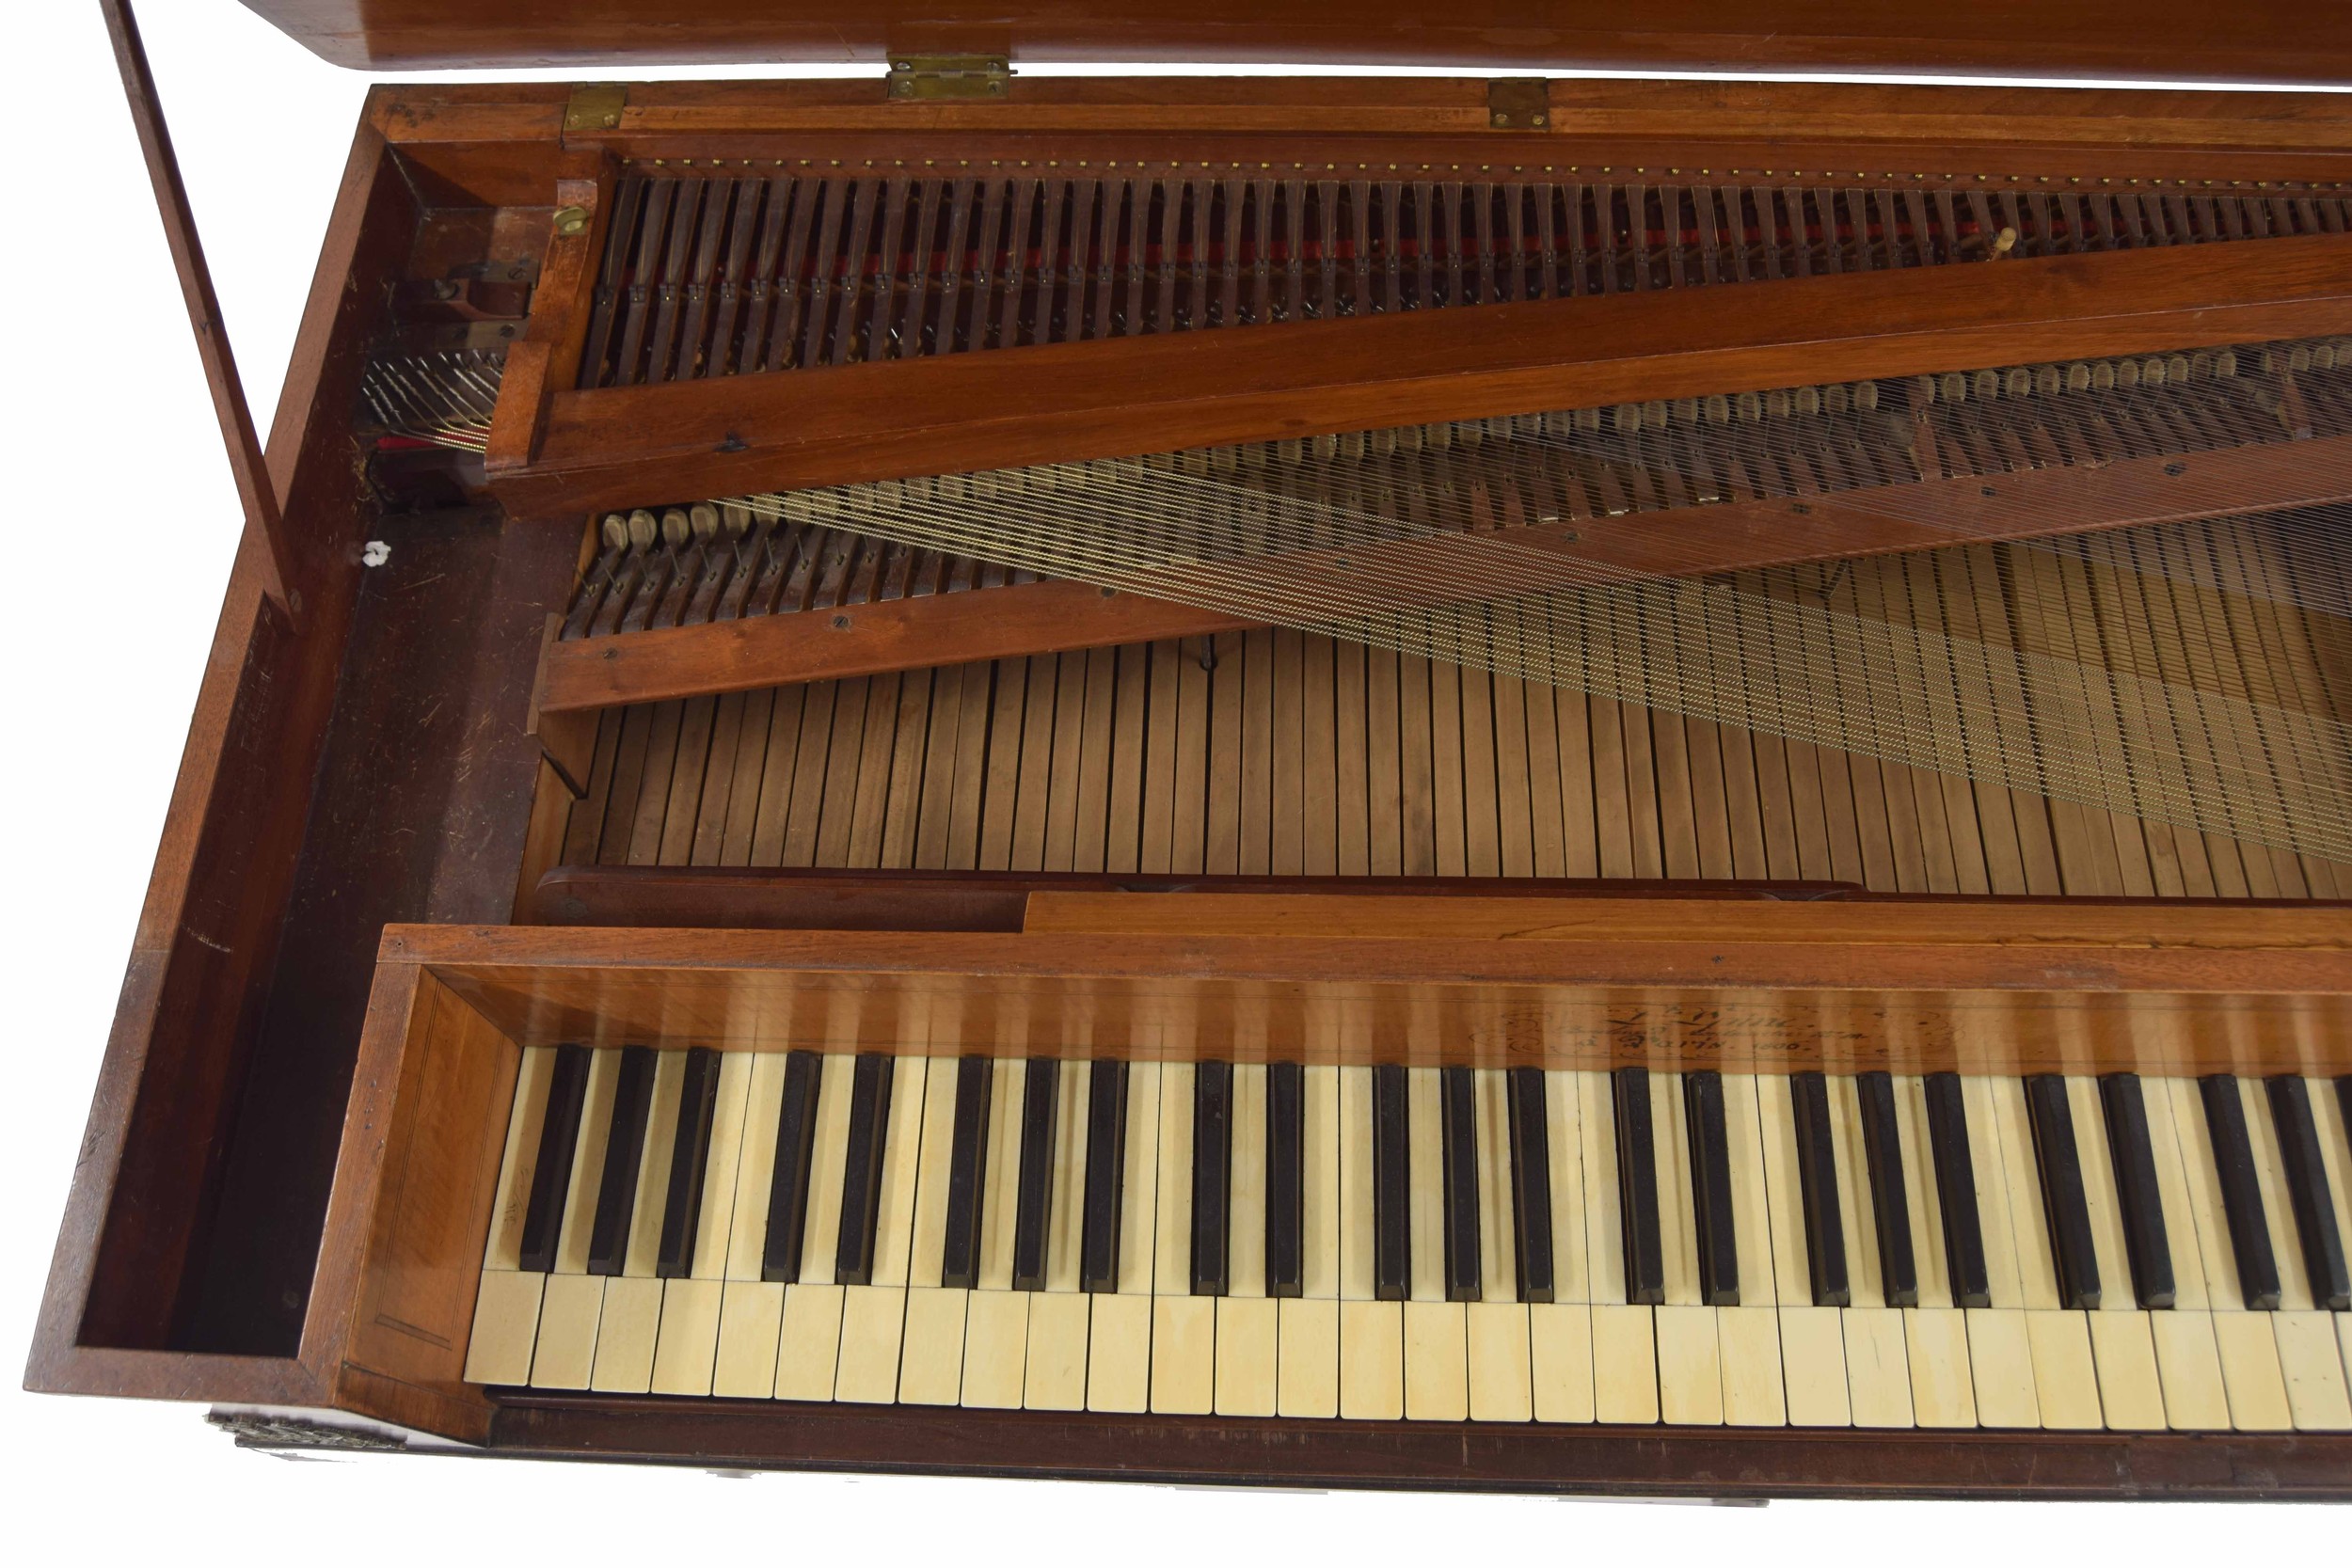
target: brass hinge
<point>1518,102</point>
<point>594,107</point>
<point>917,77</point>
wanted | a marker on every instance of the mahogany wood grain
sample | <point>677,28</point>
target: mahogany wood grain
<point>1734,984</point>
<point>128,1255</point>
<point>652,445</point>
<point>833,900</point>
<point>1721,127</point>
<point>2210,926</point>
<point>548,354</point>
<point>283,577</point>
<point>2265,41</point>
<point>1057,616</point>
<point>393,1305</point>
<point>1019,620</point>
<point>1648,1461</point>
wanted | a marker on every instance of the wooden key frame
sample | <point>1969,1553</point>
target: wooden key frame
<point>1111,975</point>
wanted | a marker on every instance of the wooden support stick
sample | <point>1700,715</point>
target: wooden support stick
<point>246,463</point>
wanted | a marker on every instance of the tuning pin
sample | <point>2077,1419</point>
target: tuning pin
<point>615,531</point>
<point>643,529</point>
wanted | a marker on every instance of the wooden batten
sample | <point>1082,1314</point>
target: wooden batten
<point>1051,617</point>
<point>710,657</point>
<point>631,446</point>
<point>1747,985</point>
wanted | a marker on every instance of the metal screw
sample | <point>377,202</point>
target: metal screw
<point>841,623</point>
<point>571,220</point>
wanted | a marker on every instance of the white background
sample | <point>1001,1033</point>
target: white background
<point>116,505</point>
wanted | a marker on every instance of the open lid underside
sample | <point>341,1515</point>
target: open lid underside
<point>2281,42</point>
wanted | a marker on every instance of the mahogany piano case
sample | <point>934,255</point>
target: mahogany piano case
<point>1494,781</point>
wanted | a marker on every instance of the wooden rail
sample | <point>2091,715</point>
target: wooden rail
<point>1061,616</point>
<point>654,445</point>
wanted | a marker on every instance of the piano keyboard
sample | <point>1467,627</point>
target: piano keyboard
<point>1427,1243</point>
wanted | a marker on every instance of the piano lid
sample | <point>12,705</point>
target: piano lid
<point>2283,43</point>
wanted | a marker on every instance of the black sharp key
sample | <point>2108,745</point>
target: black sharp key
<point>1391,1186</point>
<point>2064,1209</point>
<point>861,1169</point>
<point>2241,1192</point>
<point>623,1157</point>
<point>1457,1125</point>
<point>1106,1176</point>
<point>1285,1178</point>
<point>1530,1183</point>
<point>788,1186</point>
<point>690,1163</point>
<point>1212,1176</point>
<point>2343,1101</point>
<point>1890,1209</point>
<point>2146,1246</point>
<point>2315,1207</point>
<point>1956,1191</point>
<point>1816,1181</point>
<point>960,1256</point>
<point>1637,1189</point>
<point>1033,1204</point>
<point>1711,1189</point>
<point>552,1173</point>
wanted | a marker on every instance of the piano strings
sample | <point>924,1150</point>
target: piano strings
<point>1464,544</point>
